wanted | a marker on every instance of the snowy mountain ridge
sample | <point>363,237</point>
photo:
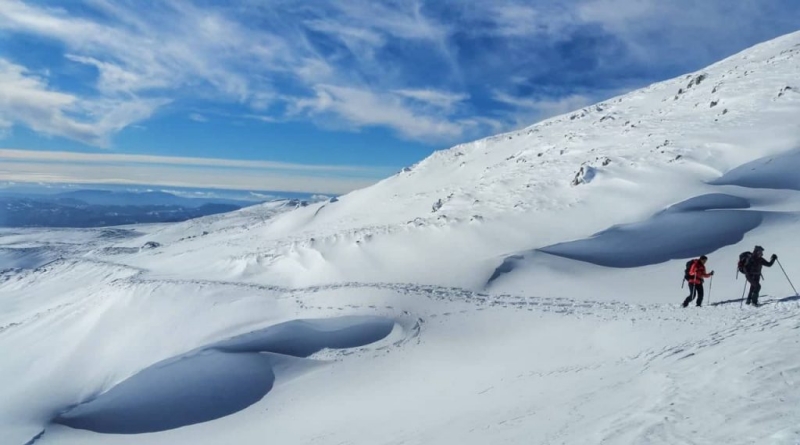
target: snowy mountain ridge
<point>684,132</point>
<point>626,131</point>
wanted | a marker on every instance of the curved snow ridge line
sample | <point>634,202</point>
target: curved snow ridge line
<point>79,304</point>
<point>12,325</point>
<point>354,235</point>
<point>79,260</point>
<point>37,316</point>
<point>35,438</point>
<point>27,257</point>
<point>66,262</point>
<point>686,230</point>
<point>778,172</point>
<point>221,378</point>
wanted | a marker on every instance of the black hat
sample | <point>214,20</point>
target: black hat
<point>758,249</point>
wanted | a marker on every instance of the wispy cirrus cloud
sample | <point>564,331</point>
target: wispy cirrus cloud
<point>394,109</point>
<point>170,49</point>
<point>428,70</point>
<point>527,110</point>
<point>197,117</point>
<point>442,100</point>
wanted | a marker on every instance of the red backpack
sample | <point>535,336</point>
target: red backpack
<point>689,264</point>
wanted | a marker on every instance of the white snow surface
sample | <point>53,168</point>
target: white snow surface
<point>524,288</point>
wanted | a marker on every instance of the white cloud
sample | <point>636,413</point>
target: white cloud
<point>518,20</point>
<point>363,108</point>
<point>439,99</point>
<point>110,168</point>
<point>197,117</point>
<point>697,32</point>
<point>527,111</point>
<point>164,46</point>
<point>116,79</point>
<point>486,125</point>
<point>28,100</point>
<point>614,13</point>
<point>403,20</point>
<point>560,105</point>
<point>358,40</point>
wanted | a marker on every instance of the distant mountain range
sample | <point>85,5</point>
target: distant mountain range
<point>99,208</point>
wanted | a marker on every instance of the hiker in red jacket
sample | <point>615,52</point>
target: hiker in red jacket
<point>697,273</point>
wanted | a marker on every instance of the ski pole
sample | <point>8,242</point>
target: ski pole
<point>741,305</point>
<point>787,278</point>
<point>710,283</point>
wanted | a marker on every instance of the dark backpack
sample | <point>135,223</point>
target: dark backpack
<point>689,265</point>
<point>744,260</point>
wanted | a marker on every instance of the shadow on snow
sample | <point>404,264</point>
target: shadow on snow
<point>216,380</point>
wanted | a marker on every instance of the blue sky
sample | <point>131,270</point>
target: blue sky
<point>324,96</point>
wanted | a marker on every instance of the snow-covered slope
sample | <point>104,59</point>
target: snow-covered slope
<point>518,289</point>
<point>514,193</point>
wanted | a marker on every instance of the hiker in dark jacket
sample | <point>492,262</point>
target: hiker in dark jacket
<point>753,273</point>
<point>697,273</point>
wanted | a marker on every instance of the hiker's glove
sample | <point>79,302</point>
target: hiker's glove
<point>712,273</point>
<point>774,257</point>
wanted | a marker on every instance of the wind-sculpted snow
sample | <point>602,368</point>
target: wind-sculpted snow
<point>508,265</point>
<point>25,258</point>
<point>301,338</point>
<point>711,201</point>
<point>694,227</point>
<point>217,380</point>
<point>771,172</point>
<point>179,392</point>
